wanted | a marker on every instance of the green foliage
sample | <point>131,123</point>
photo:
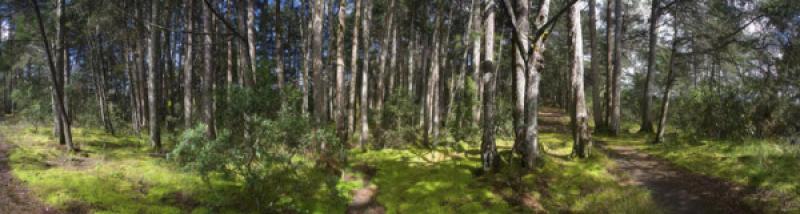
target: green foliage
<point>462,126</point>
<point>34,103</point>
<point>398,127</point>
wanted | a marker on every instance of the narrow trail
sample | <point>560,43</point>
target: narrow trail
<point>675,189</point>
<point>14,197</point>
<point>365,199</point>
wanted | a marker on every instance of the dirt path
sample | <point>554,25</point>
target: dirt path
<point>675,189</point>
<point>14,197</point>
<point>365,199</point>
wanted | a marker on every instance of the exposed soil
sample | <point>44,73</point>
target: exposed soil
<point>14,197</point>
<point>675,189</point>
<point>365,199</point>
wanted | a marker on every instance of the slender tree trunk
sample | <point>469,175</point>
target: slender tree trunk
<point>364,108</point>
<point>597,103</point>
<point>580,126</point>
<point>279,49</point>
<point>617,92</point>
<point>475,35</point>
<point>187,67</point>
<point>251,40</point>
<point>662,121</point>
<point>54,73</point>
<point>431,96</point>
<point>647,124</point>
<point>489,158</point>
<point>317,69</point>
<point>609,94</point>
<point>208,75</point>
<point>535,65</point>
<point>340,103</point>
<point>152,77</point>
<point>522,8</point>
<point>384,55</point>
<point>353,69</point>
<point>59,45</point>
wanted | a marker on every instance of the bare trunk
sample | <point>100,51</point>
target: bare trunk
<point>662,121</point>
<point>609,94</point>
<point>617,89</point>
<point>475,35</point>
<point>384,55</point>
<point>279,49</point>
<point>320,115</point>
<point>58,93</point>
<point>152,78</point>
<point>187,67</point>
<point>208,75</point>
<point>647,124</point>
<point>431,96</point>
<point>251,40</point>
<point>353,69</point>
<point>367,10</point>
<point>597,103</point>
<point>340,104</point>
<point>489,158</point>
<point>535,65</point>
<point>520,145</point>
<point>580,126</point>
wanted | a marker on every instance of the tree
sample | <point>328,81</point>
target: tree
<point>616,108</point>
<point>385,49</point>
<point>489,158</point>
<point>609,94</point>
<point>340,104</point>
<point>647,124</point>
<point>432,90</point>
<point>662,121</point>
<point>208,74</point>
<point>320,114</point>
<point>153,75</point>
<point>520,69</point>
<point>279,48</point>
<point>187,66</point>
<point>580,119</point>
<point>364,108</point>
<point>60,110</point>
<point>351,124</point>
<point>535,65</point>
<point>597,103</point>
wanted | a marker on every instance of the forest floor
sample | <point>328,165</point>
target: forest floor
<point>625,175</point>
<point>14,196</point>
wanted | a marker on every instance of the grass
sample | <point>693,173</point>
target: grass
<point>765,164</point>
<point>116,174</point>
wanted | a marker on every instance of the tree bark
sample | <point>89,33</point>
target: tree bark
<point>59,101</point>
<point>580,126</point>
<point>279,50</point>
<point>208,75</point>
<point>617,89</point>
<point>597,103</point>
<point>152,77</point>
<point>251,40</point>
<point>535,65</point>
<point>364,108</point>
<point>340,104</point>
<point>431,96</point>
<point>609,94</point>
<point>351,124</point>
<point>384,55</point>
<point>320,114</point>
<point>647,124</point>
<point>475,35</point>
<point>522,8</point>
<point>489,158</point>
<point>662,121</point>
<point>187,67</point>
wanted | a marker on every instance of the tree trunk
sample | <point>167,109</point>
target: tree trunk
<point>518,50</point>
<point>351,124</point>
<point>617,89</point>
<point>59,45</point>
<point>279,49</point>
<point>187,67</point>
<point>320,115</point>
<point>364,108</point>
<point>208,75</point>
<point>152,77</point>
<point>58,93</point>
<point>384,55</point>
<point>662,121</point>
<point>431,96</point>
<point>489,158</point>
<point>597,103</point>
<point>580,125</point>
<point>535,65</point>
<point>609,94</point>
<point>475,35</point>
<point>647,124</point>
<point>340,104</point>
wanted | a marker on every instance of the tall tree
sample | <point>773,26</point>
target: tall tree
<point>351,124</point>
<point>518,50</point>
<point>320,114</point>
<point>208,73</point>
<point>382,60</point>
<point>580,119</point>
<point>616,111</point>
<point>251,38</point>
<point>647,124</point>
<point>432,90</point>
<point>153,75</point>
<point>187,66</point>
<point>597,103</point>
<point>662,120</point>
<point>60,110</point>
<point>489,158</point>
<point>475,35</point>
<point>364,108</point>
<point>279,47</point>
<point>609,94</point>
<point>58,125</point>
<point>340,104</point>
<point>535,66</point>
